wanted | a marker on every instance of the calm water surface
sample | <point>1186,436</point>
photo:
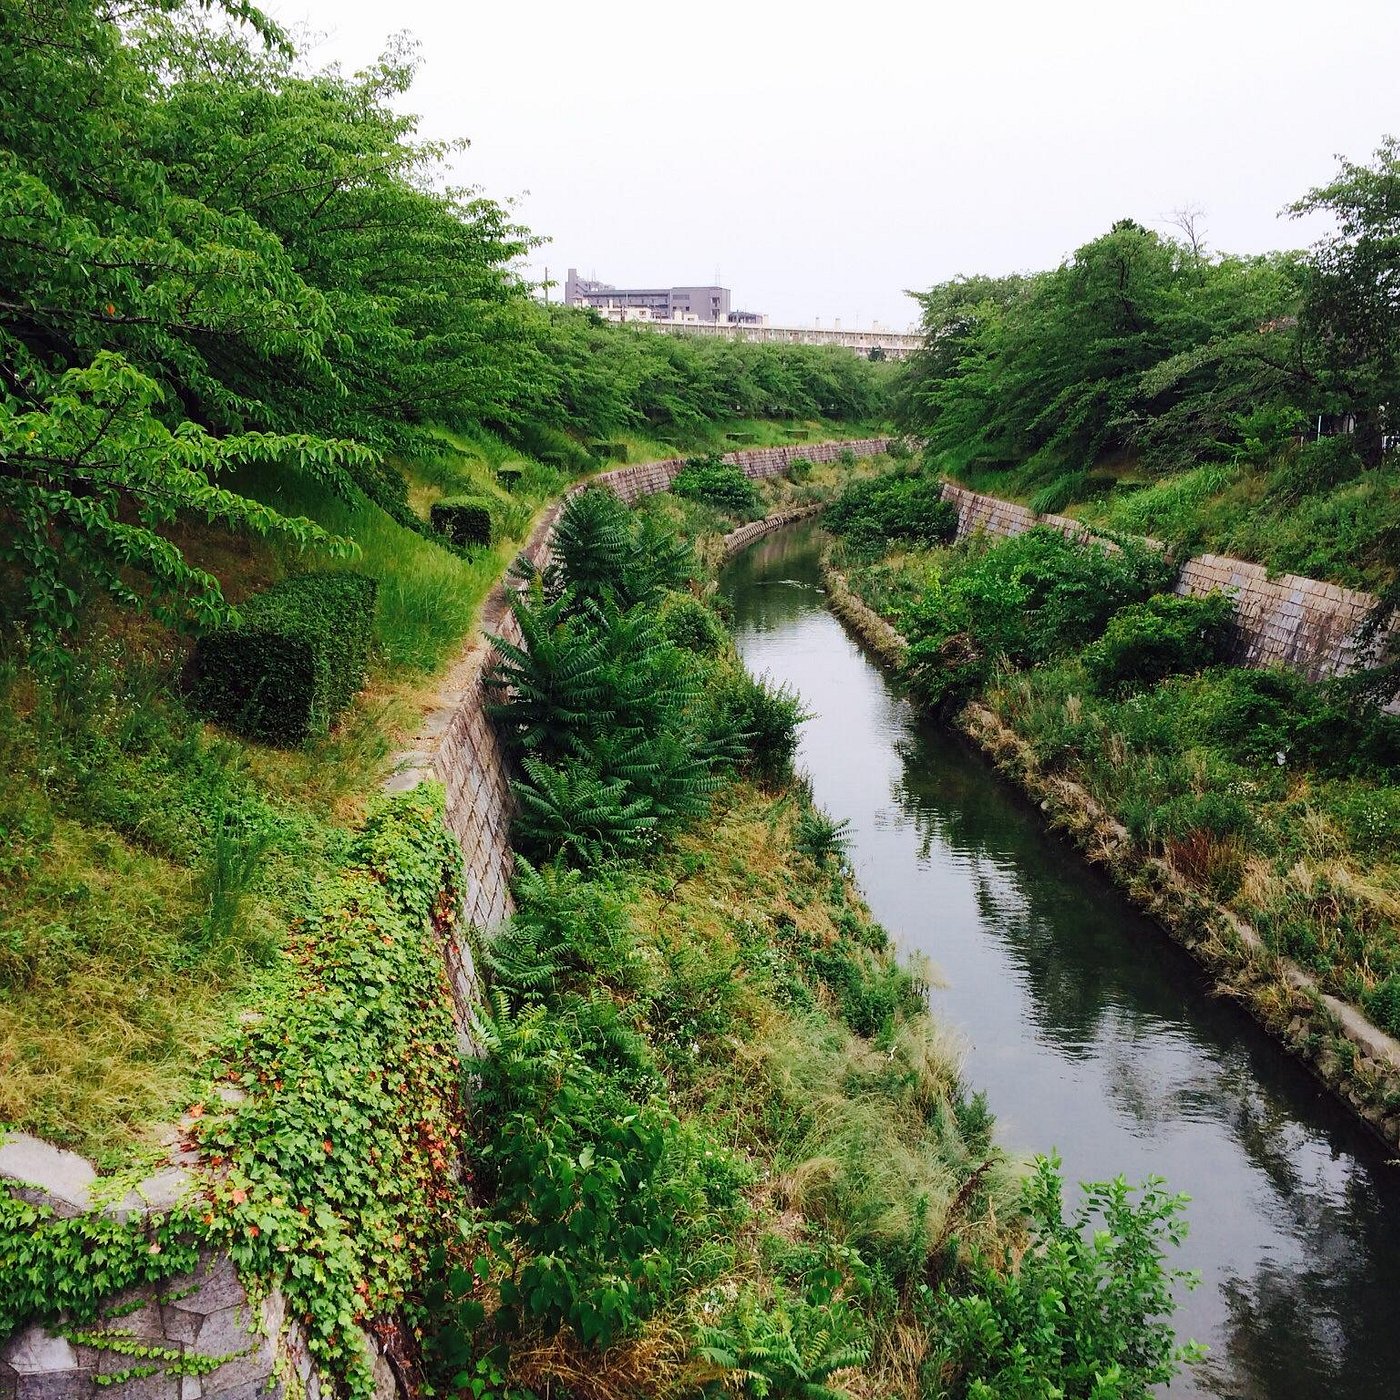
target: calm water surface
<point>1090,1031</point>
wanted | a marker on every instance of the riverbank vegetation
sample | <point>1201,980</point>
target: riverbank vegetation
<point>1264,794</point>
<point>249,335</point>
<point>765,1176</point>
<point>220,372</point>
<point>1242,405</point>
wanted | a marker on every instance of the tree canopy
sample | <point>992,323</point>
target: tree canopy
<point>214,254</point>
<point>1137,341</point>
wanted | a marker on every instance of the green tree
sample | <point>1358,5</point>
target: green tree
<point>1350,319</point>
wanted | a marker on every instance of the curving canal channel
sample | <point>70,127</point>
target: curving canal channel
<point>1090,1031</point>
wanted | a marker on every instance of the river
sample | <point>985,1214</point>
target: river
<point>1092,1032</point>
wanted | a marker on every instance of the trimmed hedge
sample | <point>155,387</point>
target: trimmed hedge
<point>508,477</point>
<point>291,663</point>
<point>463,519</point>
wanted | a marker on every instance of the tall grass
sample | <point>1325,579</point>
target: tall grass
<point>1170,509</point>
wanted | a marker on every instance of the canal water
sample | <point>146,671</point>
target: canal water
<point>1090,1031</point>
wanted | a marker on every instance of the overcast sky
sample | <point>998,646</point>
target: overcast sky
<point>821,160</point>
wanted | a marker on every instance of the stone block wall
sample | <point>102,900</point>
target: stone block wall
<point>457,745</point>
<point>186,1322</point>
<point>1288,620</point>
<point>1303,623</point>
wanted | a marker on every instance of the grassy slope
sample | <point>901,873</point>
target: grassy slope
<point>1264,512</point>
<point>849,1141</point>
<point>149,866</point>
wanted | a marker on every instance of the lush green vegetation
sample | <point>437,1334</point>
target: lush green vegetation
<point>249,341</point>
<point>1276,797</point>
<point>248,335</point>
<point>712,482</point>
<point>720,1145</point>
<point>327,1127</point>
<point>1151,385</point>
<point>1019,603</point>
<point>296,658</point>
<point>905,506</point>
<point>217,257</point>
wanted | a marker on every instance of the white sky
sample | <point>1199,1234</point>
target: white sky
<point>823,159</point>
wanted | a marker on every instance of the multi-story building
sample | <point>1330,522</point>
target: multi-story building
<point>658,303</point>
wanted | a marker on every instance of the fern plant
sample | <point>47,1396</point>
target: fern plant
<point>568,932</point>
<point>790,1350</point>
<point>601,551</point>
<point>575,812</point>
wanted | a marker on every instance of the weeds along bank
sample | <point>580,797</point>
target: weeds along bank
<point>190,918</point>
<point>1255,812</point>
<point>720,1146</point>
<point>712,1142</point>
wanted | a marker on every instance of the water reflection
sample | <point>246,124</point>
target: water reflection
<point>1090,1030</point>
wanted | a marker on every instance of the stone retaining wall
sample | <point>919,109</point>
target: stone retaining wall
<point>1287,620</point>
<point>208,1313</point>
<point>457,745</point>
<point>187,1319</point>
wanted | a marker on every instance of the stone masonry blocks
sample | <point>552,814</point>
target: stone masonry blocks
<point>1305,624</point>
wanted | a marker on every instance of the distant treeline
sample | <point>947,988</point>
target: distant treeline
<point>1157,347</point>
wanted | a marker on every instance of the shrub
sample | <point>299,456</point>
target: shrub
<point>509,476</point>
<point>1252,714</point>
<point>574,811</point>
<point>1021,601</point>
<point>1087,1315</point>
<point>686,622</point>
<point>1316,468</point>
<point>464,520</point>
<point>715,483</point>
<point>568,934</point>
<point>291,663</point>
<point>1165,636</point>
<point>821,838</point>
<point>786,1347</point>
<point>1059,493</point>
<point>605,552</point>
<point>1382,1004</point>
<point>587,1184</point>
<point>763,718</point>
<point>911,508</point>
<point>799,470</point>
<point>611,725</point>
